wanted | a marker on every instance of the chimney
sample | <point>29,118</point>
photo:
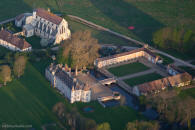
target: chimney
<point>48,9</point>
<point>66,67</point>
<point>76,71</point>
<point>146,46</point>
<point>69,70</point>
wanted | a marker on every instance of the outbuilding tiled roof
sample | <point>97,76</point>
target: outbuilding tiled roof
<point>19,17</point>
<point>14,40</point>
<point>164,82</point>
<point>48,16</point>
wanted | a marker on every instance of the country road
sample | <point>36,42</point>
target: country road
<point>6,21</point>
<point>119,35</point>
<point>130,39</point>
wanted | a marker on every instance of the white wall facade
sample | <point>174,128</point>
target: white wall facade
<point>12,47</point>
<point>72,94</point>
<point>46,29</point>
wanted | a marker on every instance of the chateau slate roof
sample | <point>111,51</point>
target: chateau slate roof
<point>48,16</point>
<point>127,53</point>
<point>14,40</point>
<point>68,79</point>
<point>19,17</point>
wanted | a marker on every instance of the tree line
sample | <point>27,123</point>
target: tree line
<point>177,39</point>
<point>73,120</point>
<point>172,108</point>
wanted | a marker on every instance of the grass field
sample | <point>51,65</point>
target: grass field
<point>35,42</point>
<point>166,60</point>
<point>193,62</point>
<point>127,69</point>
<point>28,100</point>
<point>187,92</point>
<point>117,117</point>
<point>142,79</point>
<point>188,69</point>
<point>102,36</point>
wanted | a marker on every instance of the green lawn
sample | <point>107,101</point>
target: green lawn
<point>193,62</point>
<point>28,100</point>
<point>34,41</point>
<point>117,117</point>
<point>188,69</point>
<point>187,92</point>
<point>166,60</point>
<point>3,51</point>
<point>142,79</point>
<point>102,36</point>
<point>127,69</point>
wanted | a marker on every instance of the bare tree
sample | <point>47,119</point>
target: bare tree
<point>19,65</point>
<point>80,51</point>
<point>122,100</point>
<point>5,74</point>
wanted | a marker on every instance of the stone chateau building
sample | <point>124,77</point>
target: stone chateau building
<point>13,42</point>
<point>68,85</point>
<point>44,24</point>
<point>122,57</point>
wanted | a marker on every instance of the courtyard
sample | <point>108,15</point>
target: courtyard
<point>127,69</point>
<point>136,71</point>
<point>142,79</point>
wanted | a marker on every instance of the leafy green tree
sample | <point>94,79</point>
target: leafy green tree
<point>177,39</point>
<point>103,126</point>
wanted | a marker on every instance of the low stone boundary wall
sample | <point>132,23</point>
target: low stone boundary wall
<point>7,21</point>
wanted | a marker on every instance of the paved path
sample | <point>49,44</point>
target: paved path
<point>137,74</point>
<point>6,21</point>
<point>176,59</point>
<point>128,38</point>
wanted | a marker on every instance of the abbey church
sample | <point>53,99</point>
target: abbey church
<point>44,24</point>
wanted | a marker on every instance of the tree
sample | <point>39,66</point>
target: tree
<point>103,126</point>
<point>142,125</point>
<point>19,65</point>
<point>5,74</point>
<point>80,51</point>
<point>131,126</point>
<point>59,109</point>
<point>177,39</point>
<point>122,100</point>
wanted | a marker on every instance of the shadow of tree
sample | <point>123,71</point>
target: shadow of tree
<point>127,15</point>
